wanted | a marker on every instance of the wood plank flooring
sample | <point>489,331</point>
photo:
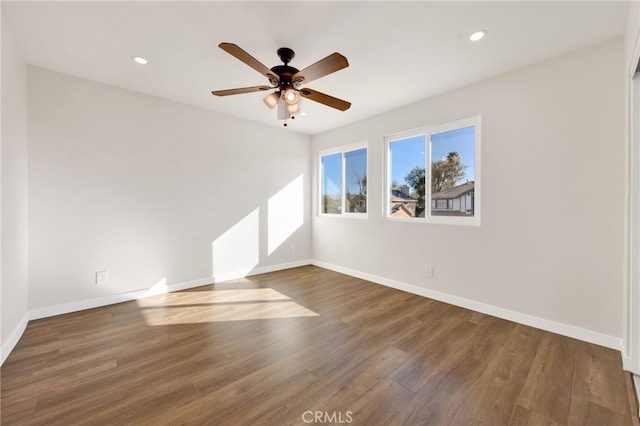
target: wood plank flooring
<point>304,346</point>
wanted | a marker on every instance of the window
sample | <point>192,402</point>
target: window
<point>433,174</point>
<point>406,169</point>
<point>343,181</point>
<point>332,183</point>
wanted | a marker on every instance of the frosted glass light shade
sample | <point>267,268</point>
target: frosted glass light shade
<point>272,99</point>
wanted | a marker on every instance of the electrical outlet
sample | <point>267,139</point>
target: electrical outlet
<point>428,271</point>
<point>292,249</point>
<point>101,277</point>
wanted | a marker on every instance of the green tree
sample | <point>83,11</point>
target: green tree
<point>415,180</point>
<point>447,172</point>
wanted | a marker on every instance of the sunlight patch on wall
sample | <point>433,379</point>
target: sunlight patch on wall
<point>286,213</point>
<point>191,307</point>
<point>237,251</point>
<point>158,288</point>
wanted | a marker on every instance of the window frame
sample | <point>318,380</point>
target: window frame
<point>428,131</point>
<point>342,150</point>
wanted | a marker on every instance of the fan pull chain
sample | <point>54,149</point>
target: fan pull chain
<point>285,120</point>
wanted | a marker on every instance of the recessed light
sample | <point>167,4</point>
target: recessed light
<point>140,60</point>
<point>304,114</point>
<point>478,35</point>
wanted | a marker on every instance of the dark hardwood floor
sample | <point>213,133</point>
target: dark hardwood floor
<point>304,346</point>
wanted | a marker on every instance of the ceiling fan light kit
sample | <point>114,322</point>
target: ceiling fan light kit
<point>286,80</point>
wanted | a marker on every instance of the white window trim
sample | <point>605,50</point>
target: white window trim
<point>341,150</point>
<point>427,131</point>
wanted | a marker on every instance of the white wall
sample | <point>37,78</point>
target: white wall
<point>632,33</point>
<point>631,314</point>
<point>153,192</point>
<point>549,250</point>
<point>14,290</point>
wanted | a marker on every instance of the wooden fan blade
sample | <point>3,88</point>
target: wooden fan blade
<point>323,98</point>
<point>332,63</point>
<point>240,90</point>
<point>243,56</point>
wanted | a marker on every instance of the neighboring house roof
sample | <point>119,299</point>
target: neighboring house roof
<point>403,204</point>
<point>400,210</point>
<point>398,196</point>
<point>455,192</point>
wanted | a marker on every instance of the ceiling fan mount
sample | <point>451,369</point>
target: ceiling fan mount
<point>286,80</point>
<point>286,54</point>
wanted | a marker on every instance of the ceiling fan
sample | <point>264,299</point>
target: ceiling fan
<point>286,80</point>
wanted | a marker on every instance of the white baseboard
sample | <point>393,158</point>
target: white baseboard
<point>13,339</point>
<point>627,364</point>
<point>525,319</point>
<point>97,302</point>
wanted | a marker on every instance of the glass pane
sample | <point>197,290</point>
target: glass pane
<point>452,172</point>
<point>355,176</point>
<point>407,174</point>
<point>331,183</point>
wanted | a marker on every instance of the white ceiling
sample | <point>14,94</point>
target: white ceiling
<point>399,52</point>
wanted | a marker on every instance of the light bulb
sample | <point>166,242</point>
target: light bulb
<point>478,35</point>
<point>291,96</point>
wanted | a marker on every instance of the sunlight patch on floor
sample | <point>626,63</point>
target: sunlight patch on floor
<point>190,307</point>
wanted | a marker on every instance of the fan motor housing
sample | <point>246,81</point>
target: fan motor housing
<point>285,72</point>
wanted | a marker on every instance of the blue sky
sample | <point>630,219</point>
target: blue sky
<point>459,140</point>
<point>355,164</point>
<point>405,154</point>
<point>332,179</point>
